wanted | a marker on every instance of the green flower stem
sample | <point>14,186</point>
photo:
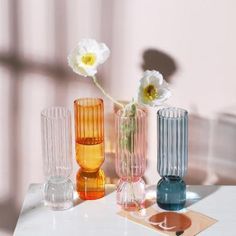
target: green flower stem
<point>129,170</point>
<point>128,129</point>
<point>105,93</point>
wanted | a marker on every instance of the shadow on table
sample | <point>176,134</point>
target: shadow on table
<point>37,201</point>
<point>77,201</point>
<point>197,193</point>
<point>109,189</point>
<point>31,208</point>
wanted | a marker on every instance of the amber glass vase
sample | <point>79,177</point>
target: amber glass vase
<point>89,136</point>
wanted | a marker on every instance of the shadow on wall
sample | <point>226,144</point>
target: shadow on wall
<point>8,216</point>
<point>154,59</point>
<point>199,149</point>
<point>212,150</point>
<point>224,148</point>
<point>19,66</point>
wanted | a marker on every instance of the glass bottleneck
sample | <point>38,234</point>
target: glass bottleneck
<point>56,143</point>
<point>130,144</point>
<point>89,133</point>
<point>172,157</point>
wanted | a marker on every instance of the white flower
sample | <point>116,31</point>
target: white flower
<point>153,89</point>
<point>87,56</point>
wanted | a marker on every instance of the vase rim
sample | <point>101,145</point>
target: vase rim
<point>56,113</point>
<point>172,113</point>
<point>141,112</point>
<point>88,102</point>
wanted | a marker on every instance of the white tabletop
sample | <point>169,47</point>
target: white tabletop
<point>99,217</point>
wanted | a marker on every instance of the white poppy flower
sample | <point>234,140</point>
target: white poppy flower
<point>153,89</point>
<point>87,56</point>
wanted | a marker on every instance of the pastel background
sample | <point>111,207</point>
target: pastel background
<point>191,42</point>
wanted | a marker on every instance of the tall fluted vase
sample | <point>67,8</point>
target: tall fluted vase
<point>130,158</point>
<point>89,135</point>
<point>172,157</point>
<point>57,157</point>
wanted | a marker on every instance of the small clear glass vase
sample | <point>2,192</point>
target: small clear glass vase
<point>130,158</point>
<point>172,157</point>
<point>57,157</point>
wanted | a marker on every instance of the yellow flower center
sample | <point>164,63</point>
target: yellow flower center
<point>150,92</point>
<point>88,59</point>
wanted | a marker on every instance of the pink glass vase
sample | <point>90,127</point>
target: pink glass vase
<point>130,158</point>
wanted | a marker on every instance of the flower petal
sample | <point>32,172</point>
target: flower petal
<point>164,94</point>
<point>104,53</point>
<point>79,59</point>
<point>90,71</point>
<point>153,79</point>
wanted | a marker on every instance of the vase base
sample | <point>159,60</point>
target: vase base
<point>89,195</point>
<point>171,206</point>
<point>130,195</point>
<point>171,193</point>
<point>132,206</point>
<point>58,195</point>
<point>90,185</point>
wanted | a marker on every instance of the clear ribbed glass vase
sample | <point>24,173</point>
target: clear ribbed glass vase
<point>172,157</point>
<point>130,158</point>
<point>89,135</point>
<point>57,157</point>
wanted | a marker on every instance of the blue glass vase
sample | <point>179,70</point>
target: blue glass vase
<point>172,157</point>
<point>171,193</point>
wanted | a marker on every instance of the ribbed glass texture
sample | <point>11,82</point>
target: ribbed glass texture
<point>89,136</point>
<point>173,141</point>
<point>89,133</point>
<point>56,143</point>
<point>130,145</point>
